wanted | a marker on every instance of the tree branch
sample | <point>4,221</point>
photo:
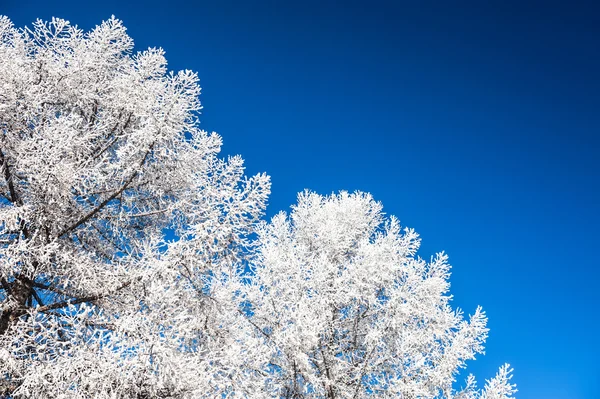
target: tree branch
<point>9,181</point>
<point>114,195</point>
<point>94,211</point>
<point>76,301</point>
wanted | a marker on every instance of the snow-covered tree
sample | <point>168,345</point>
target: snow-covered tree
<point>127,268</point>
<point>102,162</point>
<point>348,310</point>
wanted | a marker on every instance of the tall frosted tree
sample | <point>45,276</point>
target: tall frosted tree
<point>102,160</point>
<point>134,264</point>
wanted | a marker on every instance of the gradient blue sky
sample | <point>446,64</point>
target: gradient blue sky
<point>475,122</point>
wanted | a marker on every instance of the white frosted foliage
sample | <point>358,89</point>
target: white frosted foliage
<point>134,262</point>
<point>100,153</point>
<point>349,311</point>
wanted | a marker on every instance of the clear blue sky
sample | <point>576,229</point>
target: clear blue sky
<point>476,123</point>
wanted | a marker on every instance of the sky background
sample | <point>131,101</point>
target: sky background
<point>476,123</point>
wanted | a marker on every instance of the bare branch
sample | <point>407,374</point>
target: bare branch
<point>76,301</point>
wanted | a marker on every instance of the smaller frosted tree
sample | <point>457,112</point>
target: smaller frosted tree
<point>349,311</point>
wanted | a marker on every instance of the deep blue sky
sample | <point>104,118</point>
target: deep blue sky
<point>476,123</point>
